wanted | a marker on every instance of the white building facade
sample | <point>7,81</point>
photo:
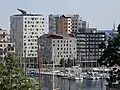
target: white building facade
<point>69,25</point>
<point>24,31</point>
<point>55,47</point>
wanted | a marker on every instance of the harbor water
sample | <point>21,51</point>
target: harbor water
<point>65,84</point>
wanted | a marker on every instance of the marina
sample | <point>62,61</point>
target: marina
<point>74,73</point>
<point>71,79</point>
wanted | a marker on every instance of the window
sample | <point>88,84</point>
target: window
<point>53,44</point>
<point>0,45</point>
<point>9,44</point>
<point>25,25</point>
<point>32,18</point>
<point>36,33</point>
<point>53,41</point>
<point>57,48</point>
<point>12,48</point>
<point>8,49</point>
<point>37,22</point>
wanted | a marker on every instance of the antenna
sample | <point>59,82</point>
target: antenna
<point>113,27</point>
<point>22,11</point>
<point>88,25</point>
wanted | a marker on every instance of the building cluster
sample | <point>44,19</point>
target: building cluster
<point>6,46</point>
<point>62,24</point>
<point>69,37</point>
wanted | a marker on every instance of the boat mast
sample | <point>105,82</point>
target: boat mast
<point>53,67</point>
<point>38,58</point>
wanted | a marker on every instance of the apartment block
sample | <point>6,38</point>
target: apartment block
<point>88,50</point>
<point>25,29</point>
<point>54,47</point>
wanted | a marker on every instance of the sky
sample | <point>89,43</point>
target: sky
<point>99,13</point>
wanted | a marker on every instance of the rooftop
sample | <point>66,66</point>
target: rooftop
<point>24,13</point>
<point>57,36</point>
<point>28,15</point>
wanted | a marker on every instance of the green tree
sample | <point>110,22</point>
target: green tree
<point>111,57</point>
<point>12,77</point>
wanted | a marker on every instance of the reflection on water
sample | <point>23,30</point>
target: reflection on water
<point>64,84</point>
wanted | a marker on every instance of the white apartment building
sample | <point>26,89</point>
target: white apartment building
<point>24,31</point>
<point>69,25</point>
<point>56,47</point>
<point>6,46</point>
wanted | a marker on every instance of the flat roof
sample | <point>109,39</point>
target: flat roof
<point>28,15</point>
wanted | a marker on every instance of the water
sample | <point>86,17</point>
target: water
<point>64,84</point>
